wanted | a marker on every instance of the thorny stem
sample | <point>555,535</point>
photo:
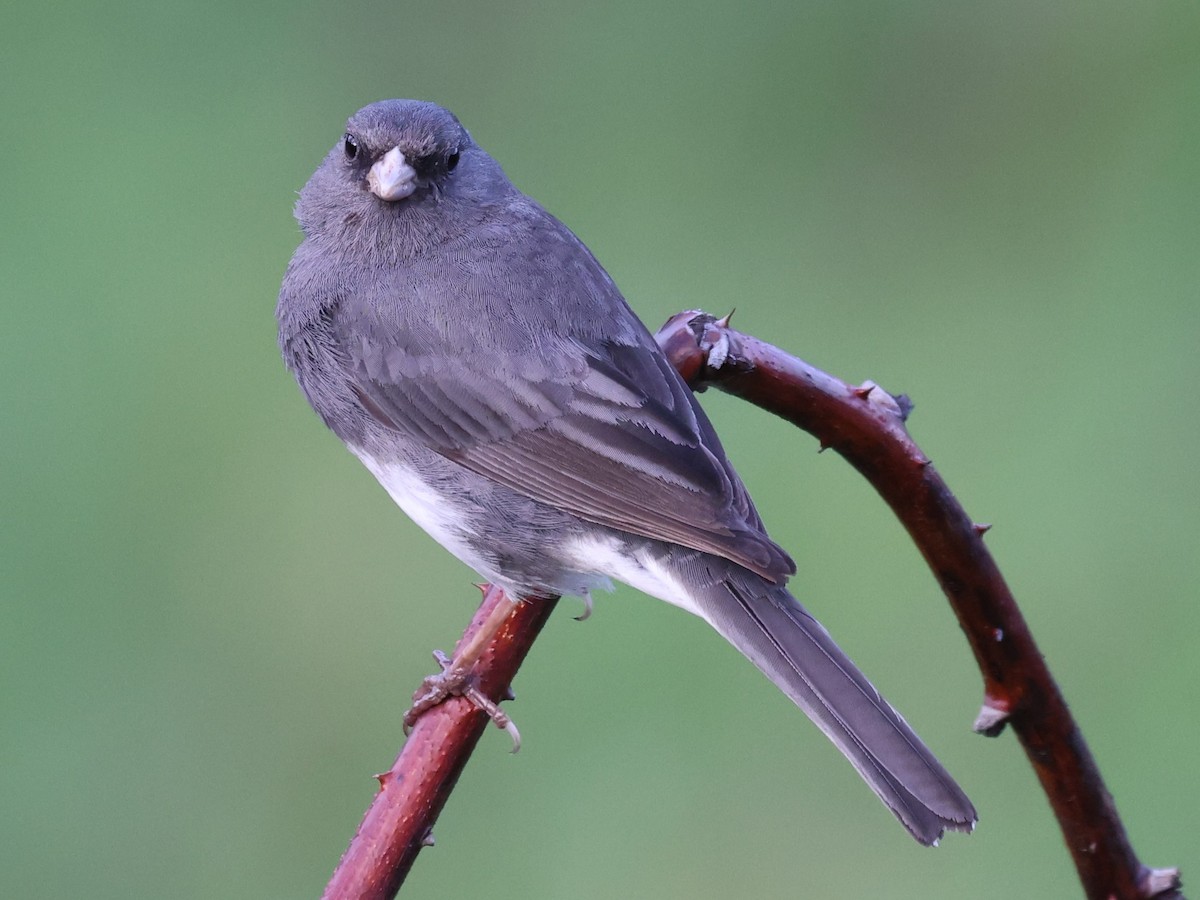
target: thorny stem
<point>413,791</point>
<point>866,426</point>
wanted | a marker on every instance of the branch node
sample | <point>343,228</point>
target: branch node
<point>1159,882</point>
<point>716,345</point>
<point>896,405</point>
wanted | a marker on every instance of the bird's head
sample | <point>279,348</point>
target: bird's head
<point>403,164</point>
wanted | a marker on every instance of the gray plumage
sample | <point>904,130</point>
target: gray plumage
<point>477,358</point>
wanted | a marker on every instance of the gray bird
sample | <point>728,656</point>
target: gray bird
<point>471,351</point>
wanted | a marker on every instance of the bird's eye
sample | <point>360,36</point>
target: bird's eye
<point>350,146</point>
<point>451,161</point>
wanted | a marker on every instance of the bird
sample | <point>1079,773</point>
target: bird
<point>475,356</point>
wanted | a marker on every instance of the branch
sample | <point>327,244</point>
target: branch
<point>866,426</point>
<point>412,793</point>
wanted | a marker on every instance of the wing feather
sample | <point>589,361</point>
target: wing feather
<point>618,441</point>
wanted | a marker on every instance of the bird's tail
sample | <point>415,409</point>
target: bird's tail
<point>795,651</point>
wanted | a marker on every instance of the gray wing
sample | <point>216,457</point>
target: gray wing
<point>605,430</point>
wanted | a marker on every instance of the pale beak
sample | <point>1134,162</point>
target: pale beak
<point>392,178</point>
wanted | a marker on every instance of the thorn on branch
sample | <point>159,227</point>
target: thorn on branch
<point>982,528</point>
<point>863,392</point>
<point>994,713</point>
<point>897,405</point>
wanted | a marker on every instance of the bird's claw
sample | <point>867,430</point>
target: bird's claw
<point>587,607</point>
<point>455,681</point>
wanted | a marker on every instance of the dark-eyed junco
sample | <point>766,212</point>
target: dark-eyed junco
<point>471,351</point>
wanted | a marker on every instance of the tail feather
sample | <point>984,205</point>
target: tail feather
<point>792,648</point>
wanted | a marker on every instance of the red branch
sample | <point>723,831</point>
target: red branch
<point>412,793</point>
<point>865,425</point>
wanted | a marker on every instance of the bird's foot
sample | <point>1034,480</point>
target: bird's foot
<point>587,607</point>
<point>456,681</point>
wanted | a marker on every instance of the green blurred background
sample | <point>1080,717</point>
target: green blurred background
<point>212,617</point>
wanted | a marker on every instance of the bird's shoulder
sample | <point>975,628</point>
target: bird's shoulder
<point>503,288</point>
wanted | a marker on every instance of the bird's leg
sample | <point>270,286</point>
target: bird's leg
<point>456,678</point>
